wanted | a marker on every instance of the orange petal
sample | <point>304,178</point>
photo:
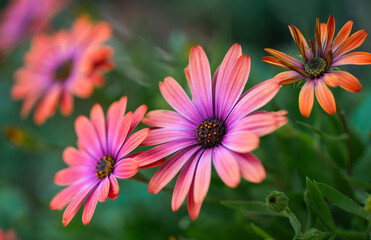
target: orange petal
<point>300,42</point>
<point>354,58</point>
<point>289,77</point>
<point>306,98</point>
<point>330,33</point>
<point>347,81</point>
<point>325,97</point>
<point>330,79</point>
<point>284,56</point>
<point>274,61</point>
<point>323,28</point>
<point>342,35</point>
<point>352,42</point>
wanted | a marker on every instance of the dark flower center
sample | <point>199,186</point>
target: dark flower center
<point>210,132</point>
<point>315,67</point>
<point>63,71</point>
<point>105,166</point>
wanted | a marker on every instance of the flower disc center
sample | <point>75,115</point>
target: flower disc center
<point>105,166</point>
<point>63,71</point>
<point>210,132</point>
<point>315,67</point>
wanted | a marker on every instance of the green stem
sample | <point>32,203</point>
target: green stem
<point>349,141</point>
<point>350,235</point>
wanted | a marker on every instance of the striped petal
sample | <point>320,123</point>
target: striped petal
<point>289,77</point>
<point>226,166</point>
<point>126,168</point>
<point>251,168</point>
<point>241,141</point>
<point>354,58</point>
<point>351,43</point>
<point>325,97</point>
<point>306,98</point>
<point>345,80</point>
<point>170,119</point>
<point>342,36</point>
<point>202,177</point>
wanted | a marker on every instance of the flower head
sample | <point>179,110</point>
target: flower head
<point>8,235</point>
<point>102,156</point>
<point>218,125</point>
<point>68,63</point>
<point>23,18</point>
<point>318,61</point>
<point>276,201</point>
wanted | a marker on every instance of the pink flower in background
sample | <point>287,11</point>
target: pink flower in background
<point>58,67</point>
<point>8,235</point>
<point>101,157</point>
<point>25,17</point>
<point>218,125</point>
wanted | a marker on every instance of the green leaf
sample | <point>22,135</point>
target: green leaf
<point>260,232</point>
<point>341,201</point>
<point>319,205</point>
<point>296,225</point>
<point>311,215</point>
<point>252,207</point>
<point>323,134</point>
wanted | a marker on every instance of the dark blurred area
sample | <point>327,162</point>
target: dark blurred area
<point>152,40</point>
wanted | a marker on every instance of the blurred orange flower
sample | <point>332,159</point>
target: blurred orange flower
<point>66,64</point>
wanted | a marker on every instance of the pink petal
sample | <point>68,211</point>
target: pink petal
<point>89,208</point>
<point>88,137</point>
<point>66,104</point>
<point>170,119</point>
<point>138,116</point>
<point>241,141</point>
<point>132,142</point>
<point>251,168</point>
<point>226,166</point>
<point>178,99</point>
<point>162,135</point>
<point>169,169</point>
<point>126,168</point>
<point>47,105</point>
<point>194,207</point>
<point>74,157</point>
<point>253,99</point>
<point>99,123</point>
<point>115,115</point>
<point>306,98</point>
<point>325,97</point>
<point>200,76</point>
<point>224,72</point>
<point>232,87</point>
<point>261,123</point>
<point>184,182</point>
<point>103,189</point>
<point>120,136</point>
<point>163,150</point>
<point>114,187</point>
<point>75,204</point>
<point>202,177</point>
<point>72,174</point>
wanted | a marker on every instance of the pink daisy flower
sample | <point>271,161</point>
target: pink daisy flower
<point>102,156</point>
<point>8,235</point>
<point>217,126</point>
<point>25,17</point>
<point>58,67</point>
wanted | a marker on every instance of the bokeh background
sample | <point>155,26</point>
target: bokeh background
<point>152,40</point>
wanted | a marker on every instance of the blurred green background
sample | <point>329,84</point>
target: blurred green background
<point>152,40</point>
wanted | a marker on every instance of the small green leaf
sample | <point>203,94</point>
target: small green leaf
<point>323,134</point>
<point>296,225</point>
<point>252,207</point>
<point>311,215</point>
<point>260,232</point>
<point>341,201</point>
<point>319,205</point>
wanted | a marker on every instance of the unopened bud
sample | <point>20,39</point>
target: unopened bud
<point>277,201</point>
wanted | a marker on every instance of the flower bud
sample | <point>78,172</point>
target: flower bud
<point>277,201</point>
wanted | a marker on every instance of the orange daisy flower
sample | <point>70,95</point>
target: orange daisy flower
<point>58,67</point>
<point>319,59</point>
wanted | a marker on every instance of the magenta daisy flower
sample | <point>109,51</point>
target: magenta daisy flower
<point>101,157</point>
<point>217,126</point>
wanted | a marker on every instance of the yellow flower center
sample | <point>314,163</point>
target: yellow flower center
<point>210,132</point>
<point>105,166</point>
<point>315,67</point>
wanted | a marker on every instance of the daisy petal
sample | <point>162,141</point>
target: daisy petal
<point>289,77</point>
<point>89,208</point>
<point>330,79</point>
<point>169,169</point>
<point>346,81</point>
<point>114,187</point>
<point>162,135</point>
<point>99,123</point>
<point>137,116</point>
<point>306,98</point>
<point>184,182</point>
<point>74,157</point>
<point>274,61</point>
<point>354,58</point>
<point>72,174</point>
<point>193,206</point>
<point>200,76</point>
<point>342,35</point>
<point>178,99</point>
<point>165,118</point>
<point>226,166</point>
<point>66,103</point>
<point>88,137</point>
<point>351,43</point>
<point>103,189</point>
<point>47,105</point>
<point>126,168</point>
<point>251,168</point>
<point>202,177</point>
<point>285,57</point>
<point>132,142</point>
<point>241,141</point>
<point>325,97</point>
